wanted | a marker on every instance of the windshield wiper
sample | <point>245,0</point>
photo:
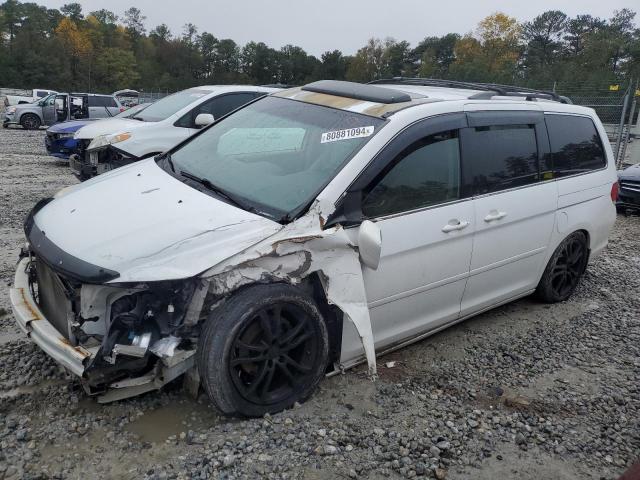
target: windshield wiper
<point>137,118</point>
<point>205,182</point>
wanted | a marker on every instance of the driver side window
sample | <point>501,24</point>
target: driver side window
<point>426,173</point>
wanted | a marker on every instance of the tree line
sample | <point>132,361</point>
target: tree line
<point>68,49</point>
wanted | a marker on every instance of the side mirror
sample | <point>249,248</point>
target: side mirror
<point>204,119</point>
<point>370,244</point>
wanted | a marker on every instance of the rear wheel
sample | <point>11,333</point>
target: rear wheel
<point>263,350</point>
<point>29,121</point>
<point>564,270</point>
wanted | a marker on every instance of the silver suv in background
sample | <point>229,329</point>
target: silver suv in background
<point>61,107</point>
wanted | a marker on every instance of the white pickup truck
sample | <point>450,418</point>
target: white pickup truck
<point>36,94</point>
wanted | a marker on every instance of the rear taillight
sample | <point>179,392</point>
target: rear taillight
<point>614,192</point>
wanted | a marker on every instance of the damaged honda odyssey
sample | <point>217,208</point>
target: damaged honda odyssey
<point>310,231</point>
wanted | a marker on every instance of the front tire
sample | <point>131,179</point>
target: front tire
<point>262,350</point>
<point>564,270</point>
<point>29,121</point>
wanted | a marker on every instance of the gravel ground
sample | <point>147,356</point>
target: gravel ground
<point>525,391</point>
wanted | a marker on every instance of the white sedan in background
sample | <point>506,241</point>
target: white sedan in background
<point>164,124</point>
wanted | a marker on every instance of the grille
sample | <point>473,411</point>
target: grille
<point>52,299</point>
<point>630,185</point>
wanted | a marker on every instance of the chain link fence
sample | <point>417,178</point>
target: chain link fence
<point>615,105</point>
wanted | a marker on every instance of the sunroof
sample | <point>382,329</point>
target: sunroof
<point>358,91</point>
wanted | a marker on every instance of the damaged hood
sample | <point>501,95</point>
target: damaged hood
<point>147,225</point>
<point>109,126</point>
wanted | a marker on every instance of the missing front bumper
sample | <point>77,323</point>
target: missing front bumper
<point>32,321</point>
<point>77,359</point>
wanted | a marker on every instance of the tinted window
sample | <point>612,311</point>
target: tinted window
<point>102,102</point>
<point>426,173</point>
<point>575,145</point>
<point>41,94</point>
<point>218,107</point>
<point>499,157</point>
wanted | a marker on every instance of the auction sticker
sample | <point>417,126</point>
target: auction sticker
<point>347,134</point>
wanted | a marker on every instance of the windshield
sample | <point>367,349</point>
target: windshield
<point>167,106</point>
<point>276,153</point>
<point>43,101</point>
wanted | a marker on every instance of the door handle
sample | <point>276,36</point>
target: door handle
<point>495,215</point>
<point>455,224</point>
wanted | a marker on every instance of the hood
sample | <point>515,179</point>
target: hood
<point>631,173</point>
<point>70,126</point>
<point>109,126</point>
<point>146,225</point>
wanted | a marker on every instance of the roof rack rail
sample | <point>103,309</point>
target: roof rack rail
<point>490,89</point>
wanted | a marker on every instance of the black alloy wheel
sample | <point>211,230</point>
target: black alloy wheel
<point>273,354</point>
<point>565,268</point>
<point>29,121</point>
<point>263,349</point>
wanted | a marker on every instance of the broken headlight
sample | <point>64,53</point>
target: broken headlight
<point>104,140</point>
<point>141,323</point>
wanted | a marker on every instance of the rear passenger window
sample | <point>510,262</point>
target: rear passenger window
<point>425,173</point>
<point>499,157</point>
<point>575,145</point>
<point>102,102</point>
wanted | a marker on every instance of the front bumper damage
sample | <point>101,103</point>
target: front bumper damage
<point>86,164</point>
<point>99,373</point>
<point>87,326</point>
<point>33,322</point>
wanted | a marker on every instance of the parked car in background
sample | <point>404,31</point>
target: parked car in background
<point>61,107</point>
<point>107,145</point>
<point>36,94</point>
<point>629,180</point>
<point>59,141</point>
<point>311,230</point>
<point>13,115</point>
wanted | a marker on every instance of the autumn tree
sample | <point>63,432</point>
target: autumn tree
<point>76,47</point>
<point>66,49</point>
<point>492,53</point>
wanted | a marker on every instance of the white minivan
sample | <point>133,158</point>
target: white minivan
<point>312,230</point>
<point>111,144</point>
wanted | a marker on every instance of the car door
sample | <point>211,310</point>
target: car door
<point>515,202</point>
<point>61,108</point>
<point>49,110</point>
<point>414,195</point>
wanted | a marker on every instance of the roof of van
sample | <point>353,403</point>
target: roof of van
<point>382,99</point>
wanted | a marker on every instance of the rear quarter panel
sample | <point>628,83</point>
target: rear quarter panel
<point>584,201</point>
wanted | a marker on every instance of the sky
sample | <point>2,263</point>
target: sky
<point>346,25</point>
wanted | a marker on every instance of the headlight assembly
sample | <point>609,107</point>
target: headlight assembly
<point>104,140</point>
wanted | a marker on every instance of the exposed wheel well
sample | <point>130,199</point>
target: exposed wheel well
<point>586,234</point>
